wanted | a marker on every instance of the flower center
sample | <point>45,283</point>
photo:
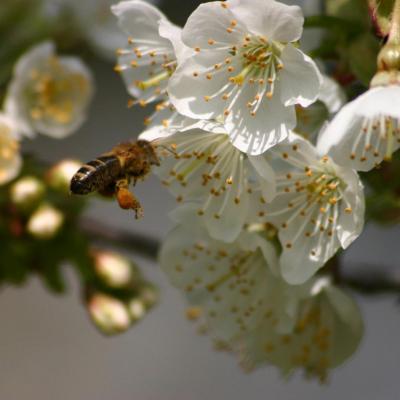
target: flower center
<point>208,163</point>
<point>256,62</point>
<point>260,60</point>
<point>55,93</point>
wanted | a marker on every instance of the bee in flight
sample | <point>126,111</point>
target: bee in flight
<point>111,173</point>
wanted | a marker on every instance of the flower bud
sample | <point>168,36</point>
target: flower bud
<point>60,175</point>
<point>137,309</point>
<point>388,66</point>
<point>389,57</point>
<point>113,269</point>
<point>45,222</point>
<point>110,315</point>
<point>27,192</point>
<point>148,295</point>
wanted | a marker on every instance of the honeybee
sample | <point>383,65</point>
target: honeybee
<point>111,173</point>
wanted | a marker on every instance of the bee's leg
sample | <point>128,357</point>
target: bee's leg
<point>126,199</point>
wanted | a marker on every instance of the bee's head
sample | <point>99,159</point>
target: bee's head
<point>150,152</point>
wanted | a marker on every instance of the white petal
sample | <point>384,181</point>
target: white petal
<point>267,175</point>
<point>139,19</point>
<point>355,138</point>
<point>210,21</point>
<point>331,94</point>
<point>173,33</point>
<point>12,103</point>
<point>300,77</point>
<point>254,135</point>
<point>232,283</point>
<point>192,102</point>
<point>274,20</point>
<point>351,222</point>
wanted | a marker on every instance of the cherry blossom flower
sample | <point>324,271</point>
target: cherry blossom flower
<point>247,69</point>
<point>236,285</point>
<point>366,131</point>
<point>10,157</point>
<point>319,207</point>
<point>201,165</point>
<point>151,57</point>
<point>327,331</point>
<point>49,94</point>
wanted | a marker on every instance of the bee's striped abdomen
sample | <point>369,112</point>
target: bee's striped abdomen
<point>96,175</point>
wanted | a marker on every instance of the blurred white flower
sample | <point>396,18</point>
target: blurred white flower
<point>202,166</point>
<point>319,207</point>
<point>45,222</point>
<point>150,59</point>
<point>311,119</point>
<point>237,285</point>
<point>10,158</point>
<point>327,331</point>
<point>49,94</point>
<point>245,69</point>
<point>366,131</point>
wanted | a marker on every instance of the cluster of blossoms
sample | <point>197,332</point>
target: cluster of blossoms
<point>48,94</point>
<point>265,202</point>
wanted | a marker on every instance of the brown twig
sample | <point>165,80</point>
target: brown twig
<point>372,281</point>
<point>140,244</point>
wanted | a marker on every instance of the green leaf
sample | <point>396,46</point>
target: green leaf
<point>353,10</point>
<point>362,54</point>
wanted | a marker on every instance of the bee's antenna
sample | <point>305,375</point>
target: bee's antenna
<point>171,149</point>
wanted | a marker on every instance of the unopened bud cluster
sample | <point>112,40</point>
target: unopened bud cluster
<point>122,297</point>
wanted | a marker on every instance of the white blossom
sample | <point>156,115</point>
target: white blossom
<point>10,157</point>
<point>247,69</point>
<point>327,331</point>
<point>236,285</point>
<point>202,166</point>
<point>366,131</point>
<point>319,207</point>
<point>49,94</point>
<point>150,59</point>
